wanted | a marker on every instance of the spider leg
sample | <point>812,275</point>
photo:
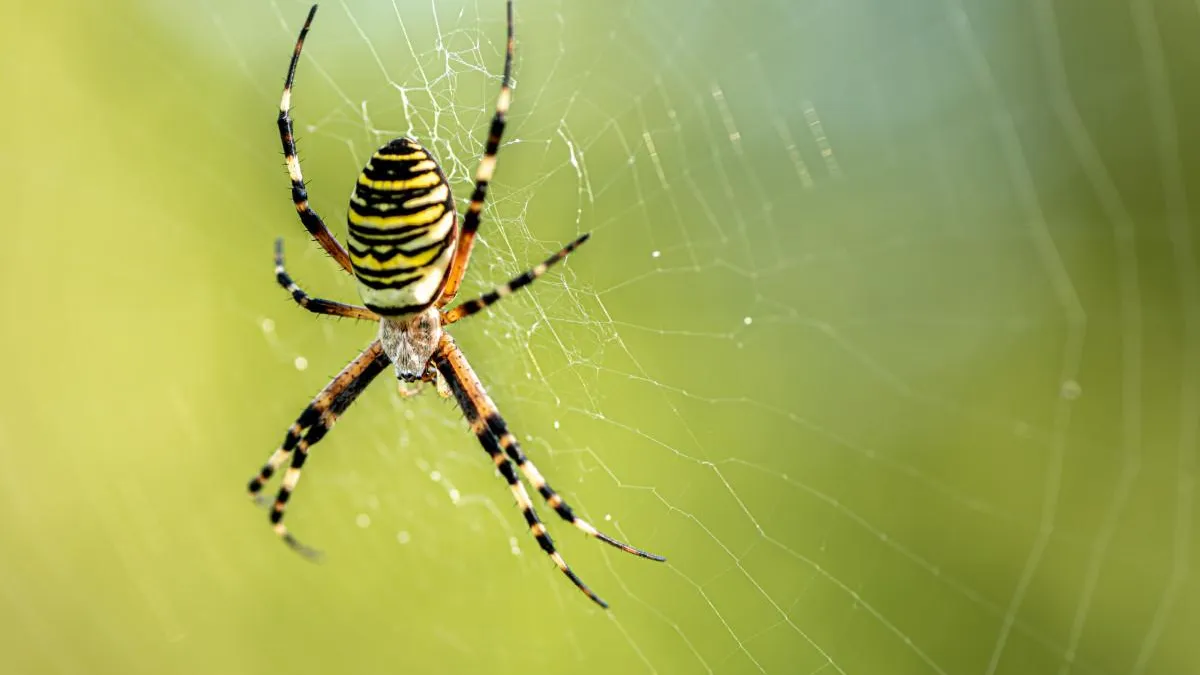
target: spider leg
<point>480,412</point>
<point>483,175</point>
<point>468,391</point>
<point>309,429</point>
<point>487,299</point>
<point>461,377</point>
<point>513,449</point>
<point>316,305</point>
<point>312,222</point>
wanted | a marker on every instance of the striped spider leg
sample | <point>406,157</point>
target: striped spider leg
<point>493,434</point>
<point>316,305</point>
<point>483,174</point>
<point>312,222</point>
<point>308,430</point>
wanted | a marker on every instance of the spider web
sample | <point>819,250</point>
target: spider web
<point>888,335</point>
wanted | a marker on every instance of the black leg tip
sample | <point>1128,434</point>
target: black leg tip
<point>308,552</point>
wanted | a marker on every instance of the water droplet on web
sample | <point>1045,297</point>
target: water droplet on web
<point>655,254</point>
<point>1070,390</point>
<point>454,496</point>
<point>362,520</point>
<point>608,517</point>
<point>403,537</point>
<point>513,546</point>
<point>301,363</point>
<point>556,425</point>
<point>747,321</point>
<point>435,476</point>
<point>268,326</point>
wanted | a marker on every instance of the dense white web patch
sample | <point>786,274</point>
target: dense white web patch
<point>744,301</point>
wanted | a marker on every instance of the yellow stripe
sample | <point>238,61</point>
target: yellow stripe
<point>416,274</point>
<point>400,158</point>
<point>419,261</point>
<point>424,180</point>
<point>437,194</point>
<point>422,217</point>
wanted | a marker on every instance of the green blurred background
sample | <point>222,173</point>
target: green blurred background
<point>888,337</point>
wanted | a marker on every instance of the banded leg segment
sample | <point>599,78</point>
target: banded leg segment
<point>462,377</point>
<point>513,449</point>
<point>312,222</point>
<point>490,298</point>
<point>483,175</point>
<point>469,393</point>
<point>310,428</point>
<point>316,305</point>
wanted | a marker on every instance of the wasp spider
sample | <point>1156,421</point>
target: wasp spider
<point>409,255</point>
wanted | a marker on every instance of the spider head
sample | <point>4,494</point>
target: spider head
<point>410,341</point>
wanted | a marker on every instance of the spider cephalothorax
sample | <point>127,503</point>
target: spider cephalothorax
<point>409,255</point>
<point>410,342</point>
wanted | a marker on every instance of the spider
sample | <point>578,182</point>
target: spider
<point>409,256</point>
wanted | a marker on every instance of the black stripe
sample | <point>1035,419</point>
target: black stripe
<point>377,275</point>
<point>371,242</point>
<point>318,430</point>
<point>306,419</point>
<point>369,209</point>
<point>368,197</point>
<point>543,540</point>
<point>397,169</point>
<point>391,195</point>
<point>400,234</point>
<point>494,134</point>
<point>389,285</point>
<point>545,543</point>
<point>400,146</point>
<point>531,518</point>
<point>374,203</point>
<point>384,256</point>
<point>363,272</point>
<point>403,310</point>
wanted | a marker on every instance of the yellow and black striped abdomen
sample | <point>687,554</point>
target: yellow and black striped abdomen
<point>402,229</point>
